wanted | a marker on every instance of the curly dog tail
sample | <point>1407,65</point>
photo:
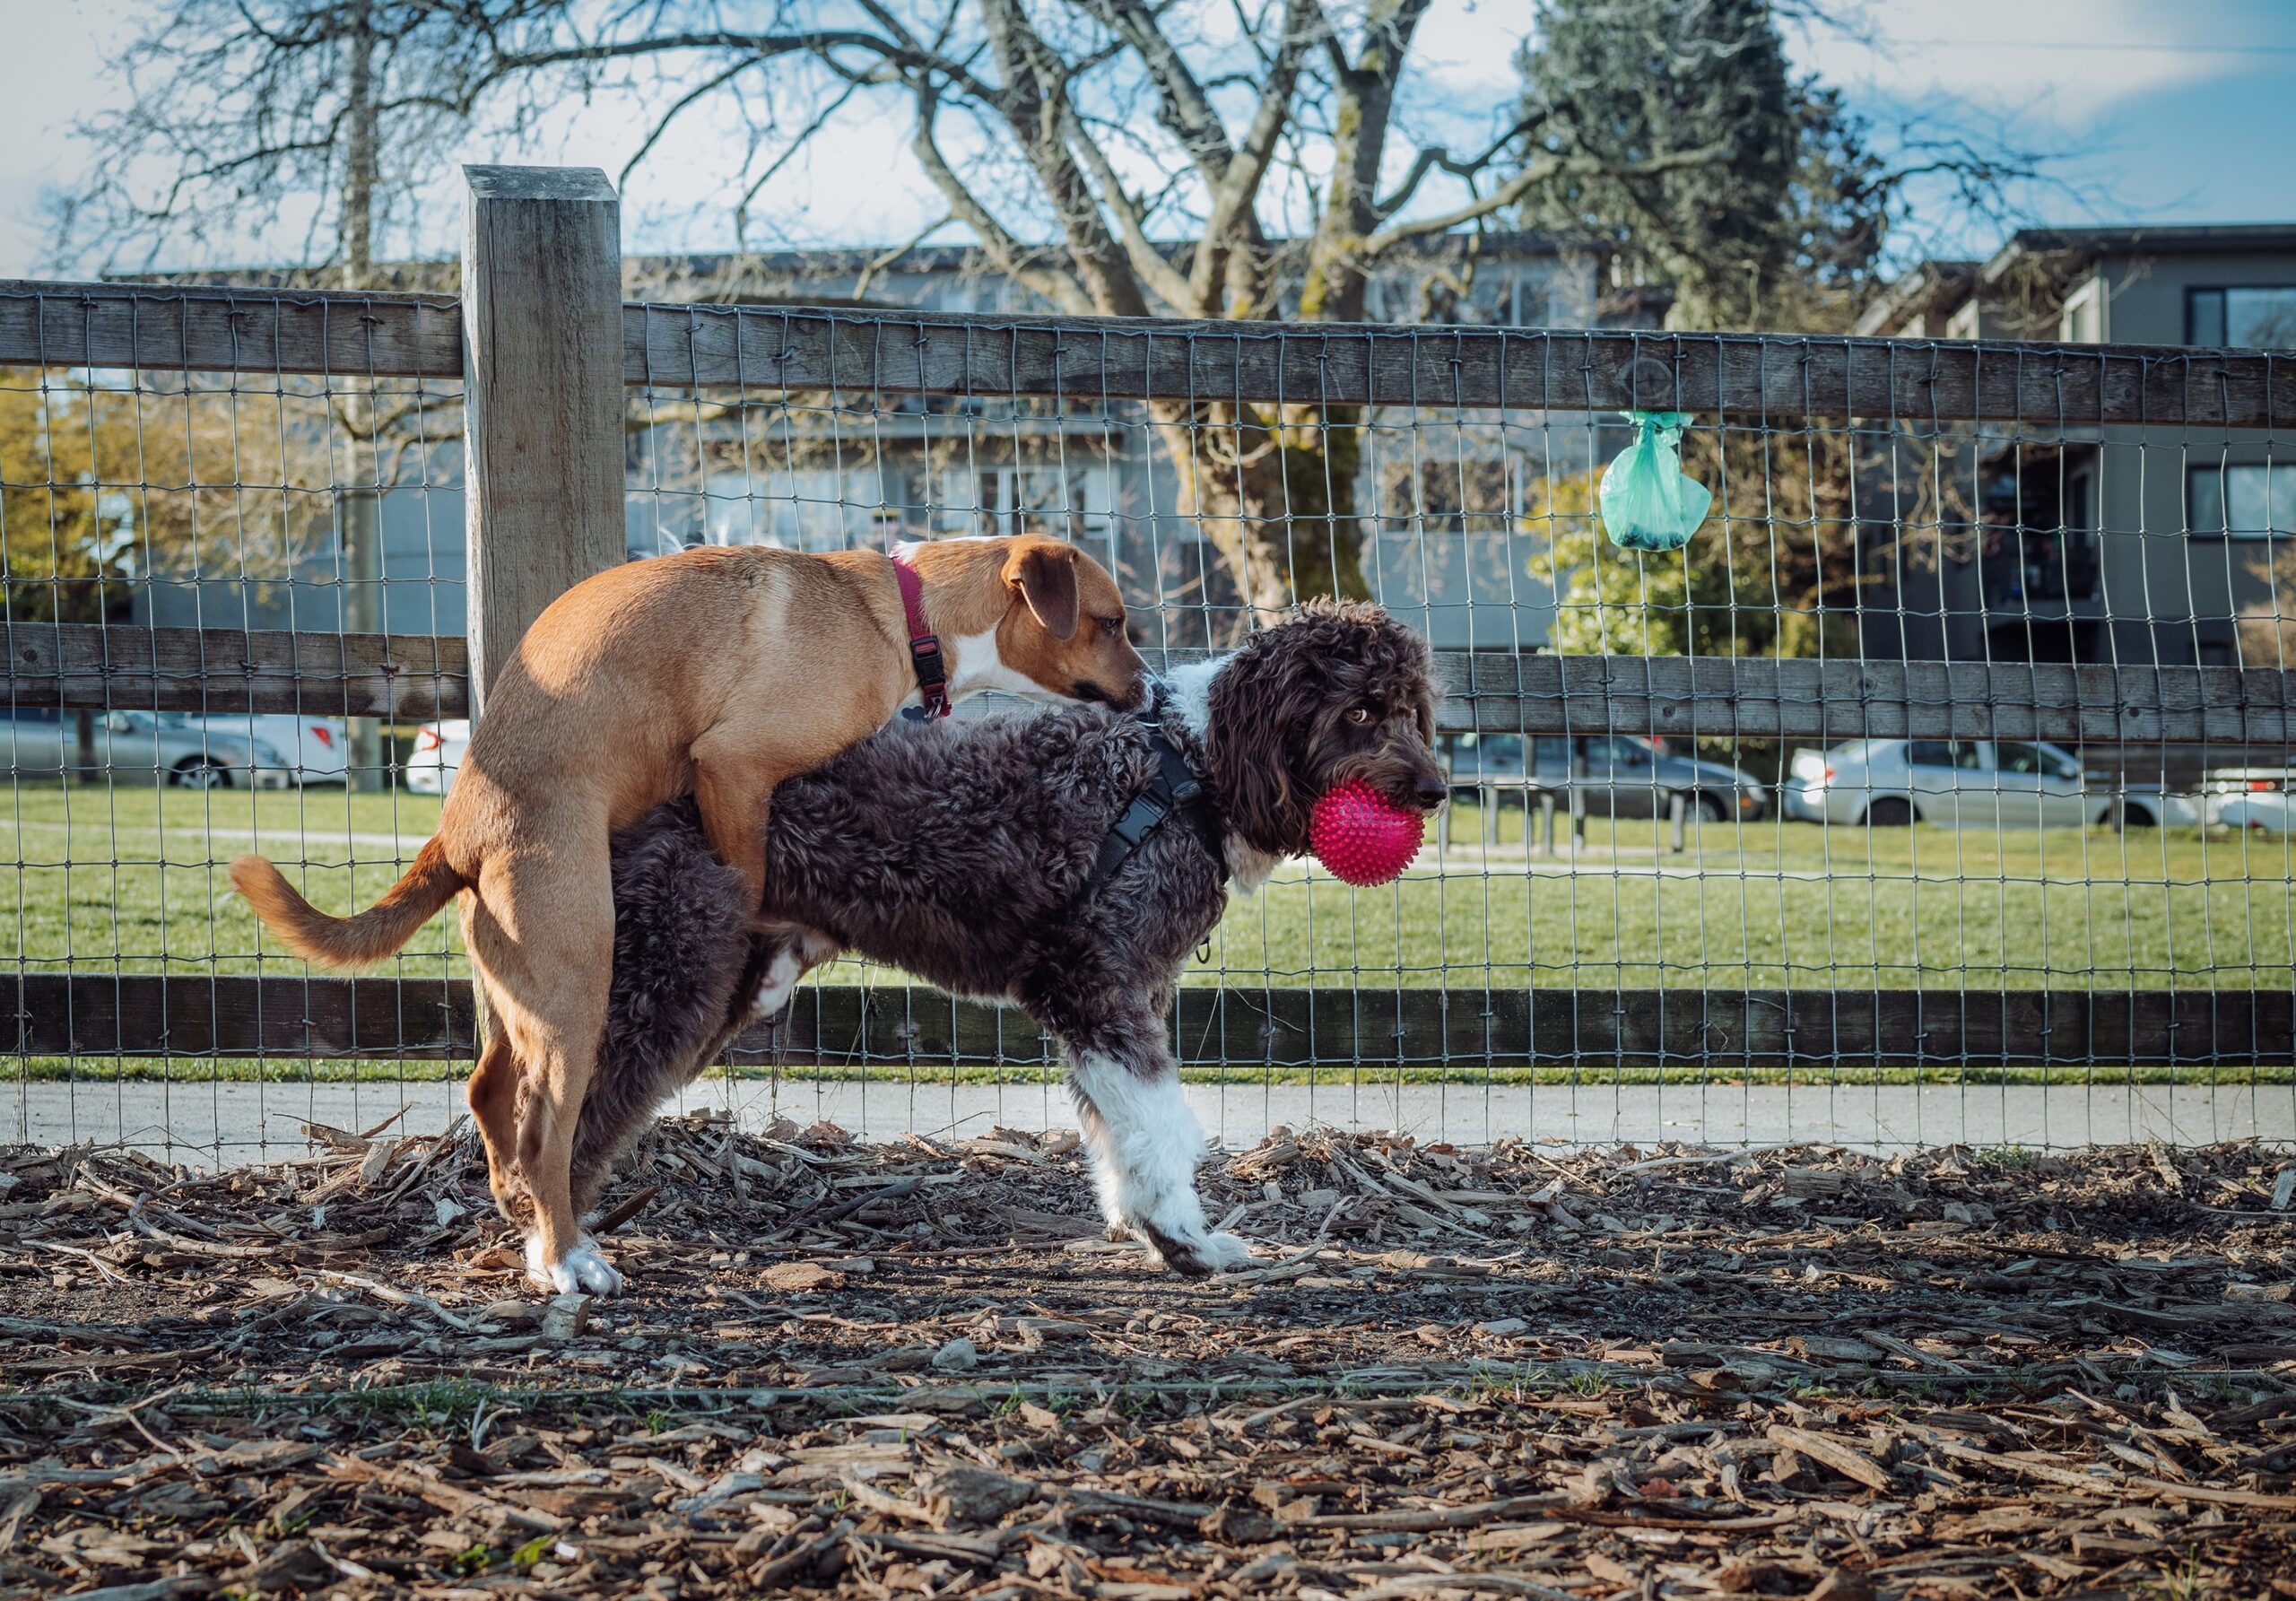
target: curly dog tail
<point>356,941</point>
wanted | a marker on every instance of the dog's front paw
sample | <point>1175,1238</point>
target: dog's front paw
<point>582,1270</point>
<point>1194,1256</point>
<point>1228,1252</point>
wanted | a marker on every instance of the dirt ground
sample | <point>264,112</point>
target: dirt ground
<point>920,1370</point>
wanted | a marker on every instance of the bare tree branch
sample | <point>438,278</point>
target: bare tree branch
<point>1433,156</point>
<point>819,121</point>
<point>1182,105</point>
<point>1158,274</point>
<point>1059,288</point>
<point>885,259</point>
<point>1334,286</point>
<point>707,86</point>
<point>1232,217</point>
<point>822,43</point>
<point>1036,108</point>
<point>1532,176</point>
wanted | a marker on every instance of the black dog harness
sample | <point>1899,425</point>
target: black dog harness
<point>1175,788</point>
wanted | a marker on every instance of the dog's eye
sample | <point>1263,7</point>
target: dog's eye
<point>1111,627</point>
<point>1362,716</point>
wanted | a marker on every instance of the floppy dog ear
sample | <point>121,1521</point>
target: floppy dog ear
<point>1260,702</point>
<point>1045,573</point>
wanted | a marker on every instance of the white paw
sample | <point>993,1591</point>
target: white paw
<point>1194,1255</point>
<point>779,983</point>
<point>1226,1252</point>
<point>581,1270</point>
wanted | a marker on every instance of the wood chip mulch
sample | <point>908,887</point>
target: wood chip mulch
<point>921,1369</point>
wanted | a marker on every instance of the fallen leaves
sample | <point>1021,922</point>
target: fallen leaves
<point>919,1369</point>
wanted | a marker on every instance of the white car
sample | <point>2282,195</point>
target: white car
<point>2252,797</point>
<point>314,749</point>
<point>1968,783</point>
<point>437,752</point>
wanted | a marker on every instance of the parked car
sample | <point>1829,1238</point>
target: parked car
<point>2252,798</point>
<point>1968,783</point>
<point>1619,775</point>
<point>44,742</point>
<point>318,749</point>
<point>437,752</point>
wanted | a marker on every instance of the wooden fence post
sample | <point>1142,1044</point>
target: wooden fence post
<point>543,396</point>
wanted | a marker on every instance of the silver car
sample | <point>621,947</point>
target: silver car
<point>1966,783</point>
<point>1619,776</point>
<point>44,743</point>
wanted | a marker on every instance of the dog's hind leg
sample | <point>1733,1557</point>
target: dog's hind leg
<point>492,1092</point>
<point>543,938</point>
<point>493,1096</point>
<point>1144,1145</point>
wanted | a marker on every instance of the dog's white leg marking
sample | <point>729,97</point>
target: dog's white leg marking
<point>1144,1145</point>
<point>781,982</point>
<point>584,1269</point>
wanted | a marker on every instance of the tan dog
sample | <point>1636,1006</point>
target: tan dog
<point>715,673</point>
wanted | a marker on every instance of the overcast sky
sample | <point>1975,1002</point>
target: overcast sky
<point>2164,110</point>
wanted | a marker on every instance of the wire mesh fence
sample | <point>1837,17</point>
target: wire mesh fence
<point>1938,790</point>
<point>213,506</point>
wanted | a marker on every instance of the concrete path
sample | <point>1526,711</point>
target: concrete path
<point>243,1122</point>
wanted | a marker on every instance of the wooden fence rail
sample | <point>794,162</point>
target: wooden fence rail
<point>417,677</point>
<point>133,1014</point>
<point>95,666</point>
<point>351,335</point>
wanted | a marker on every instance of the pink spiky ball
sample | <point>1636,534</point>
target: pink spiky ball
<point>1364,837</point>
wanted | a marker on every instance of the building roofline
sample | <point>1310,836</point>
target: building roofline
<point>1941,284</point>
<point>2091,242</point>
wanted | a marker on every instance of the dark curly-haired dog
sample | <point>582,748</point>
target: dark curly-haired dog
<point>965,854</point>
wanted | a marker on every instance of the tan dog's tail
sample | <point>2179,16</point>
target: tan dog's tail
<point>356,941</point>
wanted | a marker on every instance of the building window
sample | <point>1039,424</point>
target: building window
<point>2250,502</point>
<point>2038,505</point>
<point>2255,317</point>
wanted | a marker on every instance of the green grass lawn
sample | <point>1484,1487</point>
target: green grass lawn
<point>132,879</point>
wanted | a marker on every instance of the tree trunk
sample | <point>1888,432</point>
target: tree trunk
<point>1274,490</point>
<point>355,223</point>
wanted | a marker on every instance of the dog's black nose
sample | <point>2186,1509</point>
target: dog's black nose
<point>1431,792</point>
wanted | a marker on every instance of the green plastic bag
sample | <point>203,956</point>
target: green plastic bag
<point>1649,502</point>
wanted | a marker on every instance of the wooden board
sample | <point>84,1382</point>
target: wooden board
<point>400,677</point>
<point>1751,375</point>
<point>147,1015</point>
<point>1298,1027</point>
<point>416,677</point>
<point>182,327</point>
<point>542,410</point>
<point>1761,697</point>
<point>188,328</point>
